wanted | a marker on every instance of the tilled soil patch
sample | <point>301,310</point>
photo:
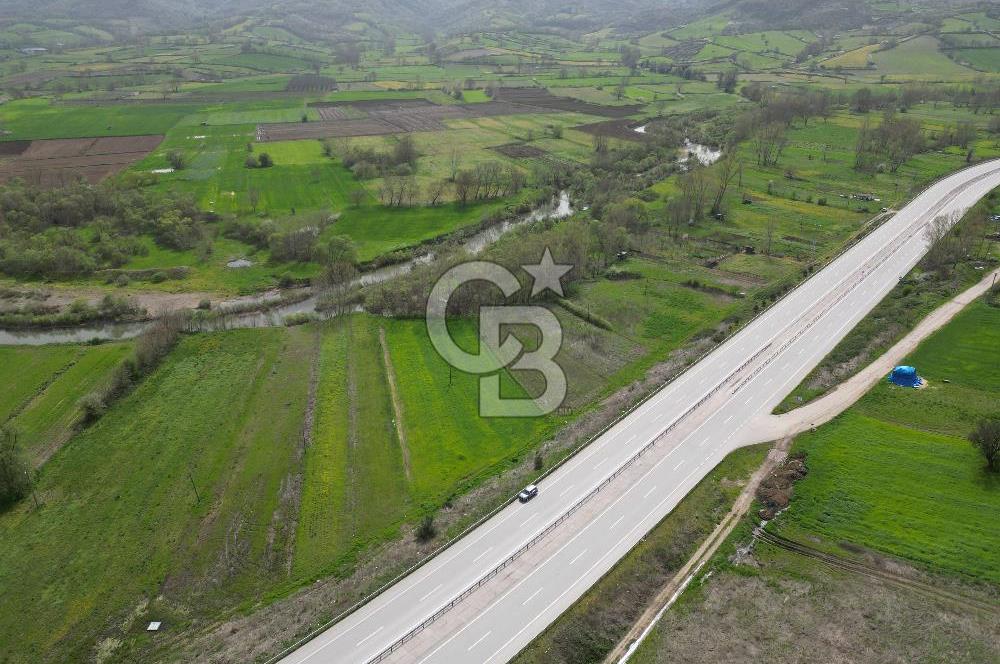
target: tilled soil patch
<point>383,117</point>
<point>519,151</point>
<point>620,129</point>
<point>542,98</point>
<point>54,162</point>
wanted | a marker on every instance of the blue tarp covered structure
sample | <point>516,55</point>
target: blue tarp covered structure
<point>905,377</point>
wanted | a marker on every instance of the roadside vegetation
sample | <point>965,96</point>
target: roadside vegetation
<point>924,509</point>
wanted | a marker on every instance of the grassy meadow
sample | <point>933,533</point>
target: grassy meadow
<point>190,497</point>
<point>895,473</point>
<point>441,448</point>
<point>44,384</point>
<point>200,500</point>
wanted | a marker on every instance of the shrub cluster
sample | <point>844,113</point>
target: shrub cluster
<point>150,348</point>
<point>77,229</point>
<point>39,314</point>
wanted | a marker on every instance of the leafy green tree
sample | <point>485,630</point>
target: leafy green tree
<point>986,439</point>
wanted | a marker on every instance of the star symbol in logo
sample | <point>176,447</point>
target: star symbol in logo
<point>546,274</point>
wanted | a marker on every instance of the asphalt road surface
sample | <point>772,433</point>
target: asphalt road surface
<point>684,430</point>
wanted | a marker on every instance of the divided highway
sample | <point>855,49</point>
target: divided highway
<point>682,432</point>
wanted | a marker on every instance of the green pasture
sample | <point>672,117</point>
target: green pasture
<point>178,488</point>
<point>43,386</point>
<point>895,473</point>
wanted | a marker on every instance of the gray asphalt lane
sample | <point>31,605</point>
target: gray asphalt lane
<point>745,377</point>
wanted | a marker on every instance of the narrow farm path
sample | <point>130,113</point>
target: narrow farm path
<point>675,586</point>
<point>397,403</point>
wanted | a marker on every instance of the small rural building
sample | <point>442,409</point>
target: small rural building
<point>905,376</point>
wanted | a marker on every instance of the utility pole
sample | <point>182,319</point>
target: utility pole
<point>34,495</point>
<point>193,486</point>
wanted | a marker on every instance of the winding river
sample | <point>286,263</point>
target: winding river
<point>558,208</point>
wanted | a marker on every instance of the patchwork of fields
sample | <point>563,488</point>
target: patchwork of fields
<point>251,464</point>
<point>241,503</point>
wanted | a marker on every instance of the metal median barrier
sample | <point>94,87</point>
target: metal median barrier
<point>408,636</point>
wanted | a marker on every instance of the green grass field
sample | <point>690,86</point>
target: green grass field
<point>120,521</point>
<point>38,118</point>
<point>376,230</point>
<point>355,489</point>
<point>857,58</point>
<point>199,498</point>
<point>656,310</point>
<point>43,386</point>
<point>920,58</point>
<point>895,473</point>
<point>24,371</point>
<point>983,59</point>
<point>358,488</point>
<point>217,176</point>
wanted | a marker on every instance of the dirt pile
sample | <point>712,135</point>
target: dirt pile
<point>775,491</point>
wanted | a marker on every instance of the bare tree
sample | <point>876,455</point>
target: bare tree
<point>942,247</point>
<point>357,196</point>
<point>630,57</point>
<point>253,197</point>
<point>600,143</point>
<point>435,190</point>
<point>965,133</point>
<point>694,187</point>
<point>890,144</point>
<point>769,142</point>
<point>176,159</point>
<point>338,256</point>
<point>464,182</point>
<point>455,162</point>
<point>725,170</point>
<point>769,235</point>
<point>678,213</point>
